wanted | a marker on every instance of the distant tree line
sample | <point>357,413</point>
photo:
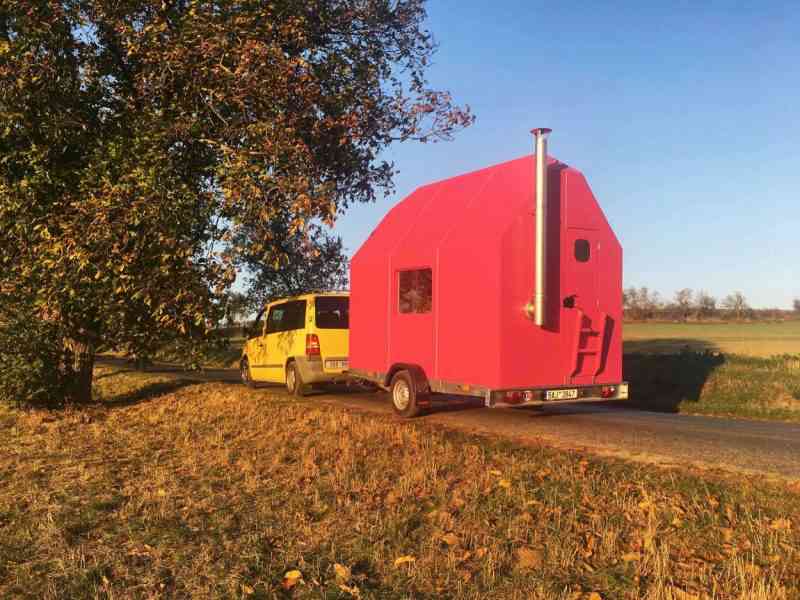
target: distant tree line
<point>642,304</point>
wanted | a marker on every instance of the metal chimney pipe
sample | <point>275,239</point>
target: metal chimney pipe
<point>540,291</point>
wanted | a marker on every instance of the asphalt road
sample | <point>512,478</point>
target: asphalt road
<point>614,429</point>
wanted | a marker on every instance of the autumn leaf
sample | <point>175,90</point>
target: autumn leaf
<point>342,573</point>
<point>402,560</point>
<point>528,558</point>
<point>780,525</point>
<point>631,557</point>
<point>504,483</point>
<point>450,539</point>
<point>352,590</point>
<point>291,579</point>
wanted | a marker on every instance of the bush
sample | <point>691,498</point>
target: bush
<point>31,354</point>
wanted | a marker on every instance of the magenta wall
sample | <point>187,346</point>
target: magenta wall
<point>476,233</point>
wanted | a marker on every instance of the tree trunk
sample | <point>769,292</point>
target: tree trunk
<point>78,370</point>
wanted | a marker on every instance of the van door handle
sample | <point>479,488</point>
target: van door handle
<point>569,301</point>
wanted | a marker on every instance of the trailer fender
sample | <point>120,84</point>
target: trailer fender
<point>417,374</point>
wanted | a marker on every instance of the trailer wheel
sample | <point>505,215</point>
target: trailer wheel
<point>294,381</point>
<point>247,377</point>
<point>405,399</point>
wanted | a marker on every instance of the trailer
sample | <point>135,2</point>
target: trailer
<point>504,283</point>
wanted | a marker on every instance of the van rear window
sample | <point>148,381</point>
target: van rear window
<point>416,291</point>
<point>287,316</point>
<point>332,312</point>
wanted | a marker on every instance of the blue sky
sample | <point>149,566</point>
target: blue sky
<point>684,117</point>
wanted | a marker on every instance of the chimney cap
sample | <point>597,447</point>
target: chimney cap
<point>541,131</point>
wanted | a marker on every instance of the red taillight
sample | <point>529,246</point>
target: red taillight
<point>312,345</point>
<point>515,396</point>
<point>607,391</point>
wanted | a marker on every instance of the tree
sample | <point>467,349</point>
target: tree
<point>683,302</point>
<point>736,304</point>
<point>237,308</point>
<point>796,305</point>
<point>140,142</point>
<point>706,305</point>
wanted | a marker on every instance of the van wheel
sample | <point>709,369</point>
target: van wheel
<point>294,381</point>
<point>247,378</point>
<point>405,400</point>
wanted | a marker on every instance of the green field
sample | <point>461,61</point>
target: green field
<point>752,339</point>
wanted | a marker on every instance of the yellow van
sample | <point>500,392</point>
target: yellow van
<point>304,340</point>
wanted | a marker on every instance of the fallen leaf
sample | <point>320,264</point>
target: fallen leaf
<point>680,594</point>
<point>451,539</point>
<point>403,560</point>
<point>481,552</point>
<point>528,558</point>
<point>495,472</point>
<point>352,590</point>
<point>781,524</point>
<point>457,502</point>
<point>752,569</point>
<point>593,596</point>
<point>291,579</point>
<point>504,483</point>
<point>631,557</point>
<point>247,590</point>
<point>727,534</point>
<point>342,572</point>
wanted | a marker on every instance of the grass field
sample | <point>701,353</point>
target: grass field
<point>170,489</point>
<point>736,369</point>
<point>752,339</point>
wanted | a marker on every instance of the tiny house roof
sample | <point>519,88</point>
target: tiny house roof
<point>482,201</point>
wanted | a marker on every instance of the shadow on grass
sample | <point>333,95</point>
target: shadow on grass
<point>110,374</point>
<point>142,394</point>
<point>660,382</point>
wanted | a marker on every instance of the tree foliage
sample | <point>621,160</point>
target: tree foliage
<point>148,147</point>
<point>293,264</point>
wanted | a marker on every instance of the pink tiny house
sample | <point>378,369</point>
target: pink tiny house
<point>451,292</point>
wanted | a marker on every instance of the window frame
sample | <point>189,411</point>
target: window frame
<point>287,311</point>
<point>398,295</point>
<point>584,243</point>
<point>345,299</point>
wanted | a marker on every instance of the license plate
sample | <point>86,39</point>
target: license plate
<point>561,394</point>
<point>336,364</point>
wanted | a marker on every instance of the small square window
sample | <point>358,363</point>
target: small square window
<point>415,291</point>
<point>582,250</point>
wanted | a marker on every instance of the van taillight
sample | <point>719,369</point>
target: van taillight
<point>312,345</point>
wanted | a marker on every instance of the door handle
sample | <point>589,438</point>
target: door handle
<point>569,301</point>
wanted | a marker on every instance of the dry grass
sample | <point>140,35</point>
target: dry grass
<point>215,491</point>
